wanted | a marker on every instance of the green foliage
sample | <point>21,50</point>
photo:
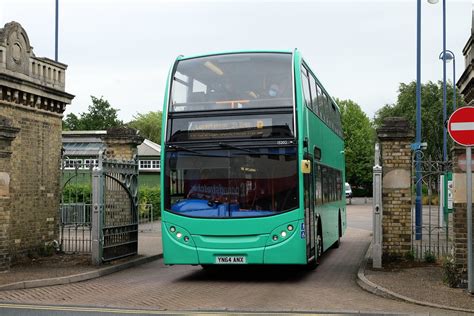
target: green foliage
<point>431,112</point>
<point>77,193</point>
<point>451,276</point>
<point>410,256</point>
<point>359,144</point>
<point>46,250</point>
<point>150,195</point>
<point>429,257</point>
<point>149,125</point>
<point>101,116</point>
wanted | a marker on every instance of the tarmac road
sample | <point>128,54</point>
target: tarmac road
<point>154,286</point>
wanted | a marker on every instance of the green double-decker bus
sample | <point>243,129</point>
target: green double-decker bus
<point>252,161</point>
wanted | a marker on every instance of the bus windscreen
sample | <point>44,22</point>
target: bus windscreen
<point>231,182</point>
<point>232,81</point>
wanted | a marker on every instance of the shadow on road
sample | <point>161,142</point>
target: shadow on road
<point>249,273</point>
<point>253,273</point>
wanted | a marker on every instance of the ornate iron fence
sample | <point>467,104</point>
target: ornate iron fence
<point>433,237</point>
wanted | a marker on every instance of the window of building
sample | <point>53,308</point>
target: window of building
<point>149,165</point>
<point>70,164</point>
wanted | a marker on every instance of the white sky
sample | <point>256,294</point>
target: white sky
<point>122,49</point>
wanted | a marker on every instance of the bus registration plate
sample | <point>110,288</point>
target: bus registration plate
<point>231,260</point>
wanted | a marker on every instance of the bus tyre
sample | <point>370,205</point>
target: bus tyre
<point>313,264</point>
<point>339,233</point>
<point>319,247</point>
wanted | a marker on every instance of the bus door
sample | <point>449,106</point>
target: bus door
<point>309,211</point>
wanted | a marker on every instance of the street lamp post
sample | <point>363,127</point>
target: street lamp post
<point>418,205</point>
<point>449,55</point>
<point>417,145</point>
<point>56,32</point>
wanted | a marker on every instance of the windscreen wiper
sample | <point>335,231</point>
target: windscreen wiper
<point>184,149</point>
<point>225,145</point>
<point>177,147</point>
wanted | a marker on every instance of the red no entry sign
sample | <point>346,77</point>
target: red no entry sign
<point>461,126</point>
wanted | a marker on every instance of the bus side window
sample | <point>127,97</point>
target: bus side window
<point>320,102</point>
<point>339,184</point>
<point>305,83</point>
<point>325,180</point>
<point>326,108</point>
<point>314,98</point>
<point>318,185</point>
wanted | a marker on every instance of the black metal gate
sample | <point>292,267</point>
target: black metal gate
<point>75,206</point>
<point>432,236</point>
<point>99,207</point>
<point>119,220</point>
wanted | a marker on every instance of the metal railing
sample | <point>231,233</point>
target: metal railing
<point>433,237</point>
<point>75,225</point>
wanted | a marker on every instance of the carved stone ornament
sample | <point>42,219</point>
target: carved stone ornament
<point>16,40</point>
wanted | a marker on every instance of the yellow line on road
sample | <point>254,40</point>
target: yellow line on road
<point>138,311</point>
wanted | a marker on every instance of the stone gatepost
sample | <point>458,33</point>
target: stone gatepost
<point>122,142</point>
<point>32,99</point>
<point>460,210</point>
<point>7,135</point>
<point>395,137</point>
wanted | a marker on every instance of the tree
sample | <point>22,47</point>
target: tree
<point>149,125</point>
<point>358,143</point>
<point>431,112</point>
<point>101,116</point>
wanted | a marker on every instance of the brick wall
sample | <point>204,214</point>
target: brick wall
<point>34,178</point>
<point>395,137</point>
<point>32,100</point>
<point>460,211</point>
<point>7,135</point>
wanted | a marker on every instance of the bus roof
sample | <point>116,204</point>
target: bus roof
<point>181,57</point>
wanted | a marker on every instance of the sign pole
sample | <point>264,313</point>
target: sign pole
<point>470,282</point>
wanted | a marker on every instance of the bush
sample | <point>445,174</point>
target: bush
<point>451,275</point>
<point>77,193</point>
<point>410,256</point>
<point>430,257</point>
<point>434,200</point>
<point>82,193</point>
<point>150,195</point>
<point>361,192</point>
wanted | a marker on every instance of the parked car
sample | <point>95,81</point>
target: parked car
<point>348,191</point>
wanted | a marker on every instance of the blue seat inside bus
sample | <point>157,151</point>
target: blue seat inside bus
<point>202,208</point>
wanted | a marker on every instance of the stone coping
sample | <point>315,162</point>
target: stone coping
<point>81,276</point>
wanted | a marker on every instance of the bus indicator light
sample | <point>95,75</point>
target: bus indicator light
<point>290,227</point>
<point>172,229</point>
<point>275,237</point>
<point>306,166</point>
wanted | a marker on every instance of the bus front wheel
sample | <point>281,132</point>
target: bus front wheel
<point>313,264</point>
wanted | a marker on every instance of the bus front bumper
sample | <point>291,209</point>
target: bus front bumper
<point>288,248</point>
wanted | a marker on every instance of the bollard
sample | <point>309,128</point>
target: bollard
<point>377,212</point>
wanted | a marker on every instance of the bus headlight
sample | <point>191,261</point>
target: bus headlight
<point>282,233</point>
<point>179,235</point>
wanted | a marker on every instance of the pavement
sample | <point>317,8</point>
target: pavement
<point>421,285</point>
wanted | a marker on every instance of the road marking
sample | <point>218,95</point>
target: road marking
<point>142,311</point>
<point>464,126</point>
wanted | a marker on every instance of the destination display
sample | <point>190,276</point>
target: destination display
<point>229,128</point>
<point>258,126</point>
